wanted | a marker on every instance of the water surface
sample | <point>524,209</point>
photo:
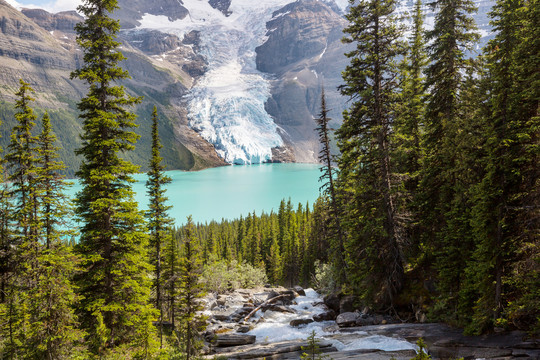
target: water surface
<point>230,191</point>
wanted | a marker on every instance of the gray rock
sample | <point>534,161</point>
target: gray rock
<point>299,290</point>
<point>298,322</point>
<point>227,340</point>
<point>325,316</point>
<point>243,329</point>
<point>282,350</point>
<point>347,319</point>
<point>332,302</point>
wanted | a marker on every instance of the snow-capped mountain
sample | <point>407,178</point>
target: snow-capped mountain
<point>239,81</point>
<point>266,63</point>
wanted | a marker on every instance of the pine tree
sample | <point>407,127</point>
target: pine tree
<point>444,185</point>
<point>115,284</point>
<point>190,290</point>
<point>55,206</point>
<point>328,188</point>
<point>408,128</point>
<point>22,162</point>
<point>159,223</point>
<point>366,182</point>
<point>503,215</point>
<point>52,331</point>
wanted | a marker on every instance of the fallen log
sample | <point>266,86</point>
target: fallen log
<point>267,302</point>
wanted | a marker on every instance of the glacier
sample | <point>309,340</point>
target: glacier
<point>226,105</point>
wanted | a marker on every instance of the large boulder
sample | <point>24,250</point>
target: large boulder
<point>227,340</point>
<point>347,319</point>
<point>332,302</point>
<point>299,290</point>
<point>325,316</point>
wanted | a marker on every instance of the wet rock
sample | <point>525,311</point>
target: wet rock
<point>282,350</point>
<point>347,319</point>
<point>299,290</point>
<point>243,329</point>
<point>227,340</point>
<point>332,301</point>
<point>365,321</point>
<point>279,308</point>
<point>325,316</point>
<point>346,304</point>
<point>298,322</point>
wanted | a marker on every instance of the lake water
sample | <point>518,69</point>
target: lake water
<point>230,191</point>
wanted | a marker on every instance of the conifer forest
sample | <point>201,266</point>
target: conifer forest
<point>436,184</point>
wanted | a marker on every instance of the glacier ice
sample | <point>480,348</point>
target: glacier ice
<point>226,105</point>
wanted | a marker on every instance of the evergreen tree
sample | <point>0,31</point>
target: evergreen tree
<point>159,223</point>
<point>55,206</point>
<point>22,162</point>
<point>503,215</point>
<point>409,127</point>
<point>190,292</point>
<point>114,285</point>
<point>52,332</point>
<point>367,184</point>
<point>444,185</point>
<point>328,188</point>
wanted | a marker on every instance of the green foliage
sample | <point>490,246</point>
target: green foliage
<point>312,350</point>
<point>115,283</point>
<point>325,278</point>
<point>422,355</point>
<point>191,321</point>
<point>366,180</point>
<point>222,276</point>
<point>159,223</point>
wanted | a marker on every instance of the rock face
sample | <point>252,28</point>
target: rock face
<point>221,5</point>
<point>303,50</point>
<point>40,48</point>
<point>63,21</point>
<point>131,11</point>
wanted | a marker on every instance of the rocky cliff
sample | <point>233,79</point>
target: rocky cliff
<point>40,48</point>
<point>238,81</point>
<point>305,53</point>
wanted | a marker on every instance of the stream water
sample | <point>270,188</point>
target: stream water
<point>276,328</point>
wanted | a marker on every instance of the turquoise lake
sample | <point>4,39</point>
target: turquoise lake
<point>230,191</point>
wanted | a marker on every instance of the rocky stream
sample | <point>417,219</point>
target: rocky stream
<point>274,323</point>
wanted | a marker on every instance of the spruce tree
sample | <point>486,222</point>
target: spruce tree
<point>503,215</point>
<point>328,188</point>
<point>190,292</point>
<point>408,131</point>
<point>22,162</point>
<point>52,331</point>
<point>114,285</point>
<point>445,210</point>
<point>159,223</point>
<point>367,184</point>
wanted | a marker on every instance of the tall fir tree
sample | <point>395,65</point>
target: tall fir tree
<point>367,184</point>
<point>504,214</point>
<point>115,286</point>
<point>53,327</point>
<point>22,162</point>
<point>329,189</point>
<point>190,292</point>
<point>159,223</point>
<point>442,195</point>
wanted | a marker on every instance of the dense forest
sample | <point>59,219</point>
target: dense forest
<point>432,203</point>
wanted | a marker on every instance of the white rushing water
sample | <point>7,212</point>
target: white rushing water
<point>276,328</point>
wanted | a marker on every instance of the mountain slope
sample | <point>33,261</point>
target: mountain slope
<point>40,48</point>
